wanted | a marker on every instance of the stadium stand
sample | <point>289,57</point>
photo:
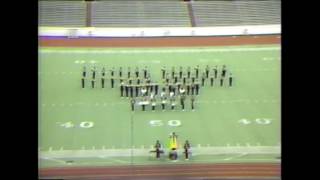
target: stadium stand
<point>168,13</point>
<point>139,14</point>
<point>235,13</point>
<point>62,13</point>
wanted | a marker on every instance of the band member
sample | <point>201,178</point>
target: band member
<point>203,78</point>
<point>188,89</point>
<point>126,87</point>
<point>182,91</point>
<point>137,91</point>
<point>211,79</point>
<point>230,79</point>
<point>137,72</point>
<point>207,71</point>
<point>93,72</point>
<point>221,81</point>
<point>189,71</point>
<point>163,69</point>
<point>192,89</point>
<point>163,102</point>
<point>172,72</point>
<point>82,82</point>
<point>84,72</point>
<point>132,104</point>
<point>129,72</point>
<point>192,103</point>
<point>144,91</point>
<point>120,72</point>
<point>173,103</point>
<point>92,83</point>
<point>103,76</point>
<point>145,72</point>
<point>215,70</point>
<point>156,86</point>
<point>197,86</point>
<point>131,90</point>
<point>197,71</point>
<point>186,148</point>
<point>153,104</point>
<point>180,72</point>
<point>121,89</point>
<point>224,71</point>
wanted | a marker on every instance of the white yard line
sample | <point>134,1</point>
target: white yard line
<point>236,156</point>
<point>144,51</point>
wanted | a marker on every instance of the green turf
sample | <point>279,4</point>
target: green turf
<point>256,94</point>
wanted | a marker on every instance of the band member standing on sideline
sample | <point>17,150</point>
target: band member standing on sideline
<point>186,148</point>
<point>230,80</point>
<point>207,71</point>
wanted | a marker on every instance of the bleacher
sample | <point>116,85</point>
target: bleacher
<point>168,13</point>
<point>235,13</point>
<point>139,14</point>
<point>62,13</point>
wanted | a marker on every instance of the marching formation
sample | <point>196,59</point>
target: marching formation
<point>177,86</point>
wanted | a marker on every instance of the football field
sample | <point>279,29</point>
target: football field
<point>95,126</point>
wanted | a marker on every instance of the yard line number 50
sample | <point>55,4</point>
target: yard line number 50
<point>171,123</point>
<point>84,124</point>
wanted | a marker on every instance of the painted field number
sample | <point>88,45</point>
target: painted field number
<point>84,124</point>
<point>172,123</point>
<point>260,121</point>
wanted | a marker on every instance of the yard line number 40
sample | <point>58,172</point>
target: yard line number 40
<point>260,121</point>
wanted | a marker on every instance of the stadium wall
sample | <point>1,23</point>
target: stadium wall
<point>159,32</point>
